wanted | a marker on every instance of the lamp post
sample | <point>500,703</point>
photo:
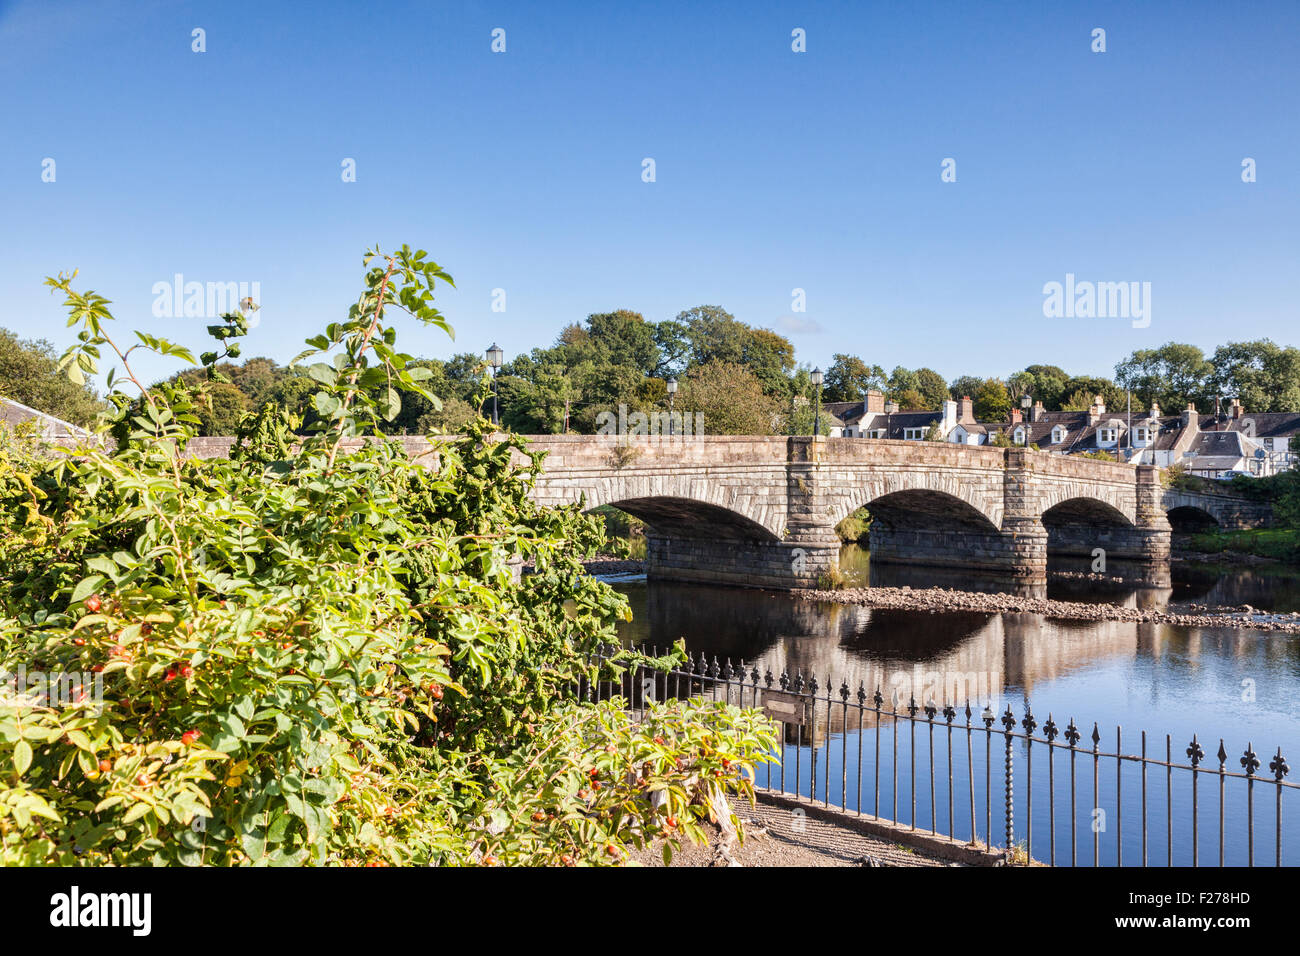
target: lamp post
<point>1025,404</point>
<point>494,355</point>
<point>816,378</point>
<point>672,395</point>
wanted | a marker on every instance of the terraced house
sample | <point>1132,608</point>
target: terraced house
<point>1211,446</point>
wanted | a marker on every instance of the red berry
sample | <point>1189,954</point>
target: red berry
<point>142,780</point>
<point>659,741</point>
<point>489,861</point>
<point>93,604</point>
<point>190,737</point>
<point>79,641</point>
<point>105,766</point>
<point>117,650</point>
<point>672,822</point>
<point>170,675</point>
<point>611,849</point>
<point>187,671</point>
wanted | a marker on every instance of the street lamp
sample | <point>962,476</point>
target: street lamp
<point>672,394</point>
<point>816,378</point>
<point>1025,403</point>
<point>494,355</point>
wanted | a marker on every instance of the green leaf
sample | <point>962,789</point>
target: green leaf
<point>22,757</point>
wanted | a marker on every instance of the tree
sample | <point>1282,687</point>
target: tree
<point>849,379</point>
<point>1048,385</point>
<point>964,386</point>
<point>731,399</point>
<point>1264,376</point>
<point>29,374</point>
<point>1173,375</point>
<point>992,401</point>
<point>933,389</point>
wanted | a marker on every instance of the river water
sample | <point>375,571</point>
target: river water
<point>1236,684</point>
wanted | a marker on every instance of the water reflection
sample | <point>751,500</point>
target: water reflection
<point>1238,685</point>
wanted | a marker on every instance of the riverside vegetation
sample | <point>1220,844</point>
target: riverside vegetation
<point>315,652</point>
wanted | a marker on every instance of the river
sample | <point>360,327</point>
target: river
<point>1240,685</point>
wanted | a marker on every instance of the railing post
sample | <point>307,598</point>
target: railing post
<point>1009,723</point>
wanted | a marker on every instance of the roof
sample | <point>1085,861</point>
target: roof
<point>15,413</point>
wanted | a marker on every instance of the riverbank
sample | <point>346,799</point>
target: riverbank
<point>1259,545</point>
<point>942,599</point>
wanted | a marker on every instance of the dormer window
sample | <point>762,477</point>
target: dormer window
<point>1019,436</point>
<point>1058,435</point>
<point>1142,434</point>
<point>1108,436</point>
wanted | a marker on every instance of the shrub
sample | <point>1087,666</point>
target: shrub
<point>316,652</point>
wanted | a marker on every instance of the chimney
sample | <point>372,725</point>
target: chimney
<point>875,401</point>
<point>1155,409</point>
<point>965,409</point>
<point>1038,412</point>
<point>1190,418</point>
<point>1015,416</point>
<point>891,408</point>
<point>949,416</point>
<point>1097,410</point>
<point>1236,410</point>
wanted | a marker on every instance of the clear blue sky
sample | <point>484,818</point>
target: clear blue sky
<point>775,170</point>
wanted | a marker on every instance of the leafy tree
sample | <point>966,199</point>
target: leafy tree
<point>1173,375</point>
<point>965,385</point>
<point>849,379</point>
<point>1264,376</point>
<point>991,400</point>
<point>731,399</point>
<point>932,387</point>
<point>29,374</point>
<point>1048,385</point>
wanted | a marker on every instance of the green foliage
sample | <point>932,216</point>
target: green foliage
<point>317,651</point>
<point>849,379</point>
<point>29,374</point>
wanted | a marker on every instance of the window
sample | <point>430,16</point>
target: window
<point>915,434</point>
<point>1058,435</point>
<point>1142,434</point>
<point>876,433</point>
<point>1019,437</point>
<point>1107,436</point>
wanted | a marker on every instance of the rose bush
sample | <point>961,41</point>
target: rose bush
<point>315,650</point>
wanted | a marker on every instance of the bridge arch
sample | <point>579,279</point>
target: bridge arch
<point>928,497</point>
<point>1189,519</point>
<point>1085,511</point>
<point>1113,504</point>
<point>683,504</point>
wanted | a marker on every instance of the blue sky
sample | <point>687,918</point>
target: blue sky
<point>775,170</point>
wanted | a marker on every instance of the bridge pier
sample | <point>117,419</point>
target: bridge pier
<point>739,561</point>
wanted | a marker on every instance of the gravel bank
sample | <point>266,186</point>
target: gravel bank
<point>942,599</point>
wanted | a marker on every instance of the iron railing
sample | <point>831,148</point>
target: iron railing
<point>833,738</point>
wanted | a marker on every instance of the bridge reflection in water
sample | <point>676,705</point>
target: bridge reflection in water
<point>1212,682</point>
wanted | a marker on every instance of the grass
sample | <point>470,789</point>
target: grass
<point>1283,544</point>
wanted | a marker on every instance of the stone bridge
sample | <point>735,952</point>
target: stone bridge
<point>762,511</point>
